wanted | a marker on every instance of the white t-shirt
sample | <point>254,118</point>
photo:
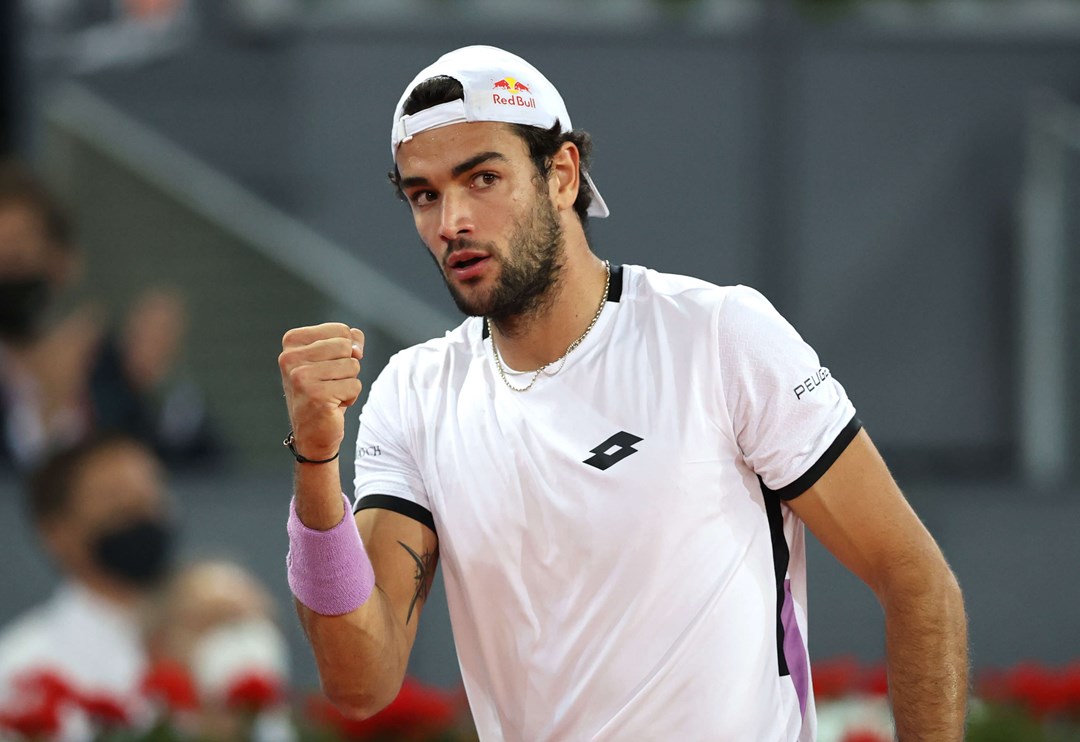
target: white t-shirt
<point>619,563</point>
<point>94,645</point>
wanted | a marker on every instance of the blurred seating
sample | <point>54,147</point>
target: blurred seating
<point>63,376</point>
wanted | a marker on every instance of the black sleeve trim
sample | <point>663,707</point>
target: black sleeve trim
<point>400,505</point>
<point>807,480</point>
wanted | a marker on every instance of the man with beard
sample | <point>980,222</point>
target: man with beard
<point>614,464</point>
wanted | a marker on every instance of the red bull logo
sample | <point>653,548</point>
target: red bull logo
<point>508,92</point>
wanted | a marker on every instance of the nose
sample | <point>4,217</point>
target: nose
<point>455,217</point>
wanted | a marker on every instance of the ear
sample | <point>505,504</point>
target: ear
<point>565,174</point>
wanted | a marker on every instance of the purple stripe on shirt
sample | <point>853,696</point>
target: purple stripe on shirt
<point>795,649</point>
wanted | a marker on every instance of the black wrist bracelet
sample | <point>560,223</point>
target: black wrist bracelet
<point>290,443</point>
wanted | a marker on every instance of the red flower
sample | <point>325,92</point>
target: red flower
<point>835,678</point>
<point>41,694</point>
<point>104,710</point>
<point>416,713</point>
<point>41,721</point>
<point>1038,689</point>
<point>863,735</point>
<point>254,692</point>
<point>45,684</point>
<point>1070,687</point>
<point>875,680</point>
<point>417,705</point>
<point>170,683</point>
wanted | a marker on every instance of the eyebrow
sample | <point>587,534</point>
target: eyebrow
<point>472,162</point>
<point>457,170</point>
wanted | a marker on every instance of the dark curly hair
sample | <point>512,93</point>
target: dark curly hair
<point>542,143</point>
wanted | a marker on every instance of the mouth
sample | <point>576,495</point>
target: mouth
<point>466,264</point>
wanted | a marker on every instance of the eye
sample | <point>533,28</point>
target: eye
<point>422,198</point>
<point>484,180</point>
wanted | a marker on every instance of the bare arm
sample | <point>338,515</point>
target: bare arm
<point>361,655</point>
<point>857,511</point>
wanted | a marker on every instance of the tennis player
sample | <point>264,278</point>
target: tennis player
<point>615,466</point>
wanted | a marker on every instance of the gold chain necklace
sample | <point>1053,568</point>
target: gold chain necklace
<point>561,360</point>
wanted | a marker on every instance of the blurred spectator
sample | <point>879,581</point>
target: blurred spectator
<point>61,378</point>
<point>103,516</point>
<point>85,35</point>
<point>215,624</point>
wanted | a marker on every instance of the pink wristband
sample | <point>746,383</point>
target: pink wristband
<point>329,571</point>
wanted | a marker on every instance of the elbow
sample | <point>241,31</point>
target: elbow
<point>929,581</point>
<point>359,704</point>
<point>354,708</point>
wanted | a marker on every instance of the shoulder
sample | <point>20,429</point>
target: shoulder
<point>643,283</point>
<point>730,304</point>
<point>26,642</point>
<point>430,363</point>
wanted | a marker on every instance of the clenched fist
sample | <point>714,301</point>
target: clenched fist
<point>319,370</point>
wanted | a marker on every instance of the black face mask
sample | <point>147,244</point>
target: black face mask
<point>22,305</point>
<point>137,553</point>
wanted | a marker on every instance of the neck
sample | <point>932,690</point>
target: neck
<point>112,591</point>
<point>527,343</point>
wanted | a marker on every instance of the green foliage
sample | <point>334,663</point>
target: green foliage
<point>1012,723</point>
<point>993,723</point>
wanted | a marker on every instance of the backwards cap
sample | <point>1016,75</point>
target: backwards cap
<point>499,86</point>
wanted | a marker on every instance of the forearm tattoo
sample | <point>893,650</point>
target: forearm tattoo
<point>425,575</point>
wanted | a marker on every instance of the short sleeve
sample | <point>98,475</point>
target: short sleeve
<point>386,472</point>
<point>790,416</point>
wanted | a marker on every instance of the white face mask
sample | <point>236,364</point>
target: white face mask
<point>236,650</point>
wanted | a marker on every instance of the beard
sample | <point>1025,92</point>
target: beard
<point>530,269</point>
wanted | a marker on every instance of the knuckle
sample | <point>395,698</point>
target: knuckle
<point>290,337</point>
<point>297,377</point>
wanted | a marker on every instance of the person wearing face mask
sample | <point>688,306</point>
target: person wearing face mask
<point>63,377</point>
<point>45,365</point>
<point>103,516</point>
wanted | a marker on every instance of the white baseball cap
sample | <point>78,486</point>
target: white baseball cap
<point>499,86</point>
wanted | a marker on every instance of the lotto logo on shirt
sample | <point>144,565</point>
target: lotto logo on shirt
<point>513,89</point>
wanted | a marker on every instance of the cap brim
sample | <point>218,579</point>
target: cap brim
<point>598,208</point>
